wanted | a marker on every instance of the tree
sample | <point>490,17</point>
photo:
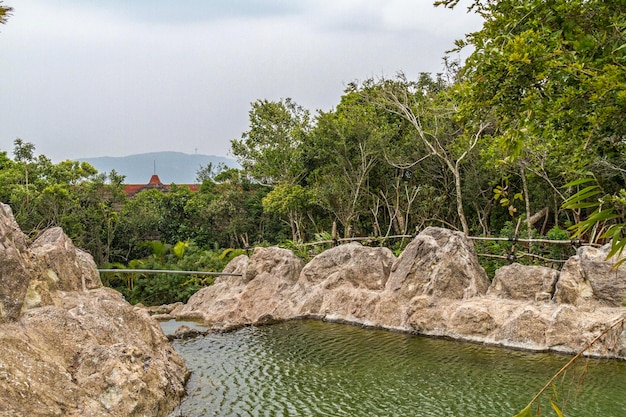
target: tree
<point>341,152</point>
<point>24,154</point>
<point>270,151</point>
<point>550,77</point>
<point>290,201</point>
<point>5,12</point>
<point>433,115</point>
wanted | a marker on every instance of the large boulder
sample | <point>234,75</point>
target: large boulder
<point>351,265</point>
<point>69,347</point>
<point>590,278</point>
<point>92,355</point>
<point>343,283</point>
<point>441,263</point>
<point>524,282</point>
<point>259,294</point>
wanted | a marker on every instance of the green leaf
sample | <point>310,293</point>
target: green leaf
<point>582,205</point>
<point>525,412</point>
<point>578,182</point>
<point>582,195</point>
<point>585,192</point>
<point>556,408</point>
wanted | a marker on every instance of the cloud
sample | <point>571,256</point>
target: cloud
<point>85,79</point>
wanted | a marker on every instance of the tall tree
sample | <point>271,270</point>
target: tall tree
<point>5,12</point>
<point>342,152</point>
<point>431,111</point>
<point>270,151</point>
<point>550,75</point>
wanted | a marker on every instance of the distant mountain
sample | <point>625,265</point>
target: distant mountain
<point>171,167</point>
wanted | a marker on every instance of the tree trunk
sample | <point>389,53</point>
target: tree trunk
<point>529,225</point>
<point>459,199</point>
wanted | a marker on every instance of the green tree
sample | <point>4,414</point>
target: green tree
<point>289,201</point>
<point>24,155</point>
<point>270,151</point>
<point>5,12</point>
<point>431,111</point>
<point>94,223</point>
<point>549,76</point>
<point>138,221</point>
<point>342,151</point>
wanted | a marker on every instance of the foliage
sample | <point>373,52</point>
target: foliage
<point>5,12</point>
<point>270,150</point>
<point>288,201</point>
<point>162,288</point>
<point>607,218</point>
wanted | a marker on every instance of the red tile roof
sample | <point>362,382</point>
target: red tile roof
<point>155,183</point>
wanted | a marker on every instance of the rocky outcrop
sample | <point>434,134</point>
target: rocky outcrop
<point>588,278</point>
<point>258,295</point>
<point>435,287</point>
<point>68,346</point>
<point>523,282</point>
<point>13,269</point>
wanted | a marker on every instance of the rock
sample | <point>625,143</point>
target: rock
<point>472,319</point>
<point>526,327</point>
<point>273,262</point>
<point>343,283</point>
<point>70,347</point>
<point>523,282</point>
<point>14,268</point>
<point>186,332</point>
<point>267,276</point>
<point>352,265</point>
<point>588,278</point>
<point>162,310</point>
<point>439,263</point>
<point>64,268</point>
<point>436,287</point>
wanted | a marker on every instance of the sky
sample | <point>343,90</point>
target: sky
<point>87,78</point>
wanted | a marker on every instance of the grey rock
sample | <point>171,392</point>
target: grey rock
<point>70,347</point>
<point>523,282</point>
<point>436,287</point>
<point>589,278</point>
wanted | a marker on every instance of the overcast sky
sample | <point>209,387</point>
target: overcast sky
<point>85,78</point>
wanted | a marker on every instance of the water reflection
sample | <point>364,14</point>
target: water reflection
<point>312,368</point>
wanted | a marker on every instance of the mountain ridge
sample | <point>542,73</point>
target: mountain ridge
<point>170,166</point>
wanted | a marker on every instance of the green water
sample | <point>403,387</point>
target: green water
<point>312,368</point>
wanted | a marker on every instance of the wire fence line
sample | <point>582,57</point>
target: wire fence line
<point>167,271</point>
<point>509,256</point>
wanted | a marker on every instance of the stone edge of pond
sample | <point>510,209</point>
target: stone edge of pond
<point>185,332</point>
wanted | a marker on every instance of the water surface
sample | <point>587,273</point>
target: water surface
<point>313,368</point>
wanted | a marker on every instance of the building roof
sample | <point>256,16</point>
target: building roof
<point>155,183</point>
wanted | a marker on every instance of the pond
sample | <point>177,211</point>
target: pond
<point>314,368</point>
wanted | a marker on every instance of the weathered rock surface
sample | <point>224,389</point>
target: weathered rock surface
<point>439,263</point>
<point>589,279</point>
<point>436,287</point>
<point>523,282</point>
<point>255,296</point>
<point>68,346</point>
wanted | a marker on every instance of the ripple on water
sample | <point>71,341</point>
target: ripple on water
<point>311,368</point>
